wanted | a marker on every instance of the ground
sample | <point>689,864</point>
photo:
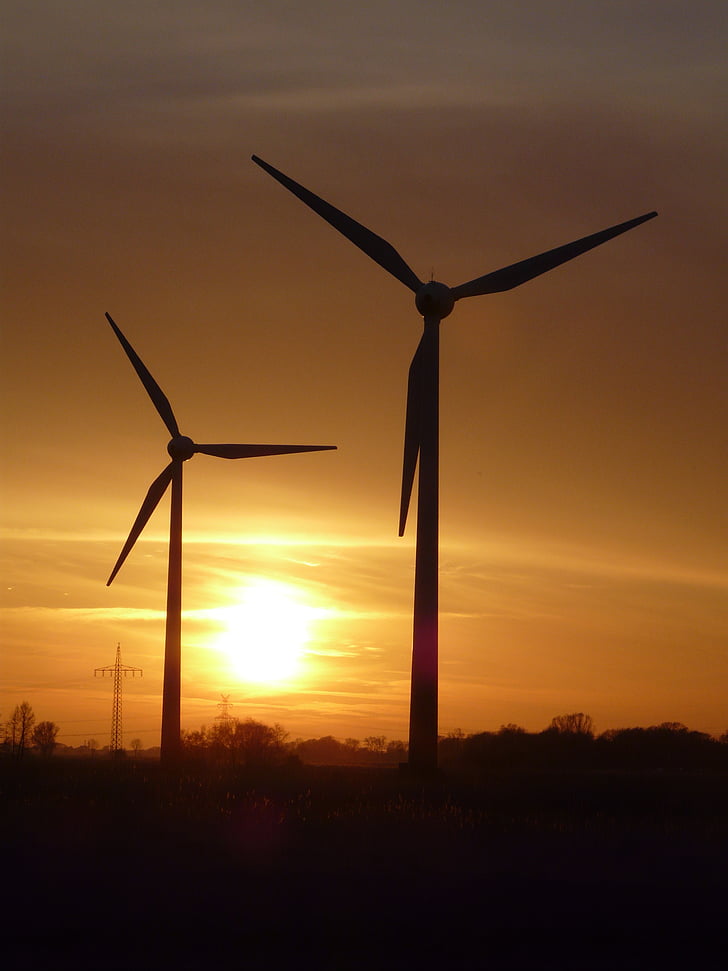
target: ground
<point>124,866</point>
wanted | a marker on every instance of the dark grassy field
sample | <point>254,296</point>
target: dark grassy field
<point>125,866</point>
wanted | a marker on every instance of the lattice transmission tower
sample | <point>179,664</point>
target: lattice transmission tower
<point>225,705</point>
<point>116,670</point>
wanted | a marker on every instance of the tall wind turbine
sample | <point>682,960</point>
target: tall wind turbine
<point>434,301</point>
<point>180,448</point>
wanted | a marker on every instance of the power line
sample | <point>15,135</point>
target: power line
<point>140,731</point>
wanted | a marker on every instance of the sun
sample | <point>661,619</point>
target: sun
<point>266,633</point>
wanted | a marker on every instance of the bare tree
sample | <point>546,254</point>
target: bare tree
<point>12,729</point>
<point>237,742</point>
<point>136,746</point>
<point>676,727</point>
<point>44,737</point>
<point>257,743</point>
<point>375,743</point>
<point>195,743</point>
<point>576,723</point>
<point>19,728</point>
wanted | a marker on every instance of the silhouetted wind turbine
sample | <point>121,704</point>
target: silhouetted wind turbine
<point>180,449</point>
<point>434,301</point>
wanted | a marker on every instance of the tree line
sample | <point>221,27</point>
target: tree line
<point>569,741</point>
<point>250,742</point>
<point>22,732</point>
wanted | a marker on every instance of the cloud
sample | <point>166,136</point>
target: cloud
<point>106,59</point>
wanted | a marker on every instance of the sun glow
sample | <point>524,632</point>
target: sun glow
<point>267,632</point>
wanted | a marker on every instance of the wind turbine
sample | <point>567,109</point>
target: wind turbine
<point>180,448</point>
<point>434,301</point>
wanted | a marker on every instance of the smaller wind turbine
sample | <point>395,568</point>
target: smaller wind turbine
<point>180,449</point>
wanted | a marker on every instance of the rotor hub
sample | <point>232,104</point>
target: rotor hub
<point>434,300</point>
<point>181,448</point>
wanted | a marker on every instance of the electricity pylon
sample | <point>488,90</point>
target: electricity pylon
<point>225,705</point>
<point>116,670</point>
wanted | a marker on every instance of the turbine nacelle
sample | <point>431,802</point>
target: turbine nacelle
<point>434,300</point>
<point>181,448</point>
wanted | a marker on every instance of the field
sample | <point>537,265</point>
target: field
<point>121,865</point>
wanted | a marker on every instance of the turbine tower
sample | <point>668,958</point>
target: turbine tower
<point>180,449</point>
<point>434,301</point>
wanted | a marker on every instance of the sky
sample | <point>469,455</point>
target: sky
<point>583,521</point>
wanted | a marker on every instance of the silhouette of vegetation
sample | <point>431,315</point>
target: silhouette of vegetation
<point>251,743</point>
<point>236,743</point>
<point>18,729</point>
<point>240,851</point>
<point>575,724</point>
<point>44,737</point>
<point>569,742</point>
<point>275,848</point>
<point>327,750</point>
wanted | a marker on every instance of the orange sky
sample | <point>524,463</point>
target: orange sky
<point>583,416</point>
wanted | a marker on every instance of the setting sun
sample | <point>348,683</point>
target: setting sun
<point>266,634</point>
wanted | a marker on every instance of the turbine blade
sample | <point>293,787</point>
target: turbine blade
<point>374,246</point>
<point>151,501</point>
<point>518,273</point>
<point>411,434</point>
<point>250,451</point>
<point>159,399</point>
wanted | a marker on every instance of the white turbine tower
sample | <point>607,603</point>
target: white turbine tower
<point>180,448</point>
<point>434,301</point>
